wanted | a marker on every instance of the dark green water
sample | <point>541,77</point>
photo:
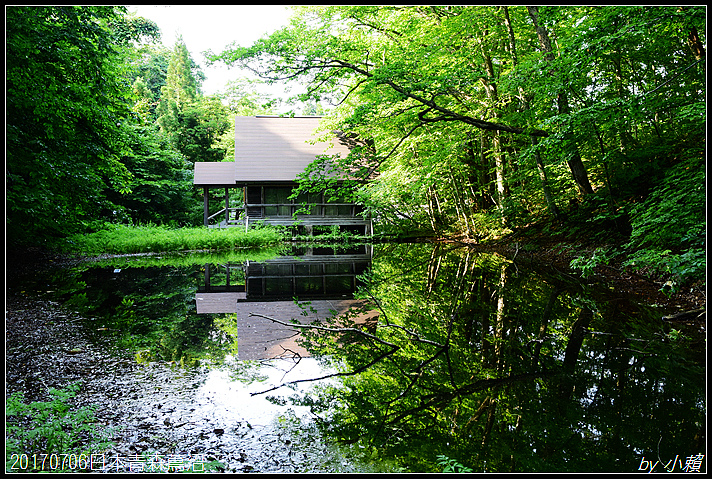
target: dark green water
<point>450,355</point>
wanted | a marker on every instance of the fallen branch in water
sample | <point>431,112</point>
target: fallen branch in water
<point>393,349</point>
<point>695,314</point>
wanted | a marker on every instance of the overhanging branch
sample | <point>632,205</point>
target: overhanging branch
<point>392,349</point>
<point>445,114</point>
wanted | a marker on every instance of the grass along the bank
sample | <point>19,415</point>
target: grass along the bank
<point>187,258</point>
<point>124,239</point>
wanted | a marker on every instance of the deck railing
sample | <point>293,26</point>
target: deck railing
<point>252,212</point>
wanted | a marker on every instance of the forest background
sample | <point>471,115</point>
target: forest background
<point>469,121</point>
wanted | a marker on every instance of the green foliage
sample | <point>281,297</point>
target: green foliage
<point>193,123</point>
<point>330,234</point>
<point>587,265</point>
<point>325,176</point>
<point>44,428</point>
<point>669,226</point>
<point>451,465</point>
<point>121,239</point>
<point>151,70</point>
<point>200,126</point>
<point>179,259</point>
<point>161,187</point>
<point>242,99</point>
<point>66,114</point>
<point>181,87</point>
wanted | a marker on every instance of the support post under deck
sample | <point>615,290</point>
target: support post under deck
<point>205,206</point>
<point>227,206</point>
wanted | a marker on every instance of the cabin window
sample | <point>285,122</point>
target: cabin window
<point>253,196</point>
<point>278,200</point>
<point>308,269</point>
<point>278,270</point>
<point>336,210</point>
<point>254,286</point>
<point>311,199</point>
<point>279,286</point>
<point>274,201</point>
<point>309,285</point>
<point>339,285</point>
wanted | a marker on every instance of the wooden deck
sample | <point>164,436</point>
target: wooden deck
<point>305,220</point>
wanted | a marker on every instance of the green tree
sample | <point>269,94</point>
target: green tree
<point>181,86</point>
<point>150,70</point>
<point>199,128</point>
<point>161,186</point>
<point>66,118</point>
<point>193,123</point>
<point>242,98</point>
<point>465,104</point>
<point>179,91</point>
<point>573,157</point>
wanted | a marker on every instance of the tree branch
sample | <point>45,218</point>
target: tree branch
<point>392,349</point>
<point>447,115</point>
<point>329,376</point>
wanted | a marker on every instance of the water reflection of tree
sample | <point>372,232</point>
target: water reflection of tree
<point>151,310</point>
<point>503,369</point>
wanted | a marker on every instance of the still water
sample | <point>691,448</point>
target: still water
<point>429,355</point>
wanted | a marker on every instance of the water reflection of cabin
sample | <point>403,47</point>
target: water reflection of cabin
<point>269,154</point>
<point>325,281</point>
<point>312,274</point>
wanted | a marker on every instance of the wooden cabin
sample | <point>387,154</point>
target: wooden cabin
<point>269,154</point>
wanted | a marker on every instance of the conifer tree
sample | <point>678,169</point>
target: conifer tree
<point>180,90</point>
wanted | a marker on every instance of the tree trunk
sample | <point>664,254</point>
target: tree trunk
<point>573,348</point>
<point>434,213</point>
<point>697,47</point>
<point>578,170</point>
<point>548,197</point>
<point>550,203</point>
<point>461,206</point>
<point>501,320</point>
<point>491,89</point>
<point>499,173</point>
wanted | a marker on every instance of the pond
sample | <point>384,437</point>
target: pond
<point>385,358</point>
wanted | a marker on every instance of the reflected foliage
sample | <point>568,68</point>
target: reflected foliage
<point>149,311</point>
<point>465,360</point>
<point>500,369</point>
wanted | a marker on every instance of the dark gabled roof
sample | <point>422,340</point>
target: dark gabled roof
<point>214,173</point>
<point>269,149</point>
<point>278,149</point>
